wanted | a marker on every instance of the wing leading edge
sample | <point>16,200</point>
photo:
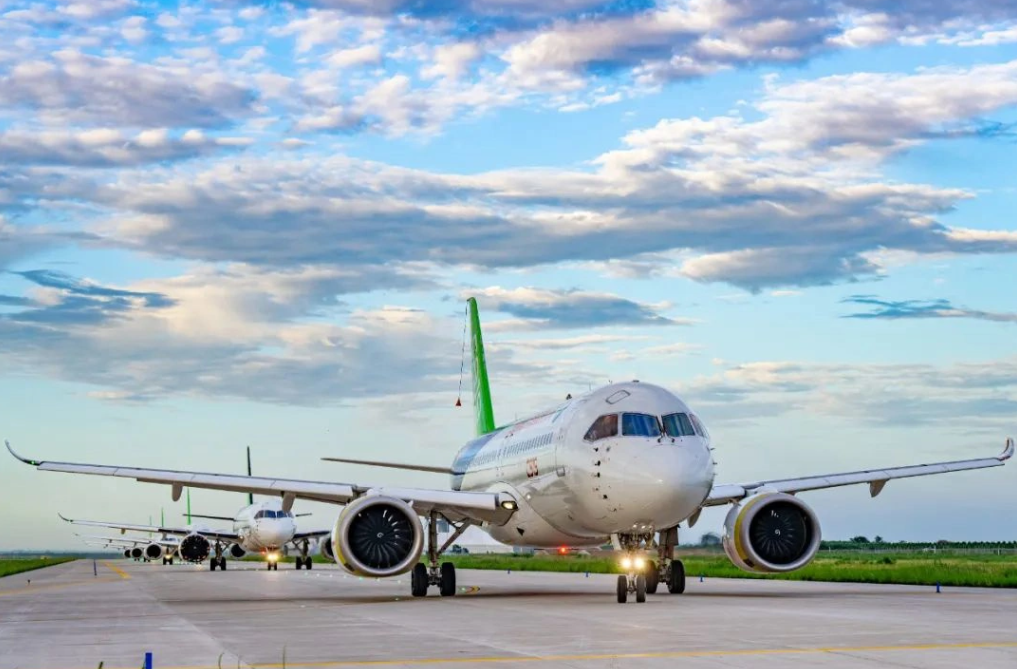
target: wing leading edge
<point>876,478</point>
<point>456,505</point>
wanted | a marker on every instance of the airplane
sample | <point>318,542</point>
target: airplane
<point>258,527</point>
<point>625,463</point>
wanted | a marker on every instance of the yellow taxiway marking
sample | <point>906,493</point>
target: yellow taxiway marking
<point>123,574</point>
<point>622,656</point>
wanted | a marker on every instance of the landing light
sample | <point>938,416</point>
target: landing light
<point>509,505</point>
<point>273,557</point>
<point>626,563</point>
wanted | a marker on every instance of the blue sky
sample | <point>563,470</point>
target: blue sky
<point>227,223</point>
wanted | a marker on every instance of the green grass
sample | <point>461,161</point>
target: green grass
<point>954,569</point>
<point>9,566</point>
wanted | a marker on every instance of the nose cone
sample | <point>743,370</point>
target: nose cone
<point>657,484</point>
<point>274,533</point>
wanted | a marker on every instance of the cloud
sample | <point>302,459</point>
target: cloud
<point>279,337</point>
<point>939,308</point>
<point>106,147</point>
<point>538,309</point>
<point>74,87</point>
<point>960,397</point>
<point>67,302</point>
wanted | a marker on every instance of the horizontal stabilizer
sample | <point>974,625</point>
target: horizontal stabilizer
<point>392,465</point>
<point>226,518</point>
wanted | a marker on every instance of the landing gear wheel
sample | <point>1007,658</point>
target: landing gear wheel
<point>300,562</point>
<point>447,585</point>
<point>275,566</point>
<point>640,589</point>
<point>307,563</point>
<point>418,580</point>
<point>623,588</point>
<point>170,561</point>
<point>212,564</point>
<point>652,578</point>
<point>222,564</point>
<point>676,578</point>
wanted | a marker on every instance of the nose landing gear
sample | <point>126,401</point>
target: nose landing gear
<point>643,576</point>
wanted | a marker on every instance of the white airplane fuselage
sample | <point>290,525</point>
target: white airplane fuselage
<point>264,526</point>
<point>575,490</point>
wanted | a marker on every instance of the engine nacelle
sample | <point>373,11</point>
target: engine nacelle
<point>237,551</point>
<point>127,552</point>
<point>154,551</point>
<point>377,536</point>
<point>325,548</point>
<point>195,548</point>
<point>136,553</point>
<point>771,532</point>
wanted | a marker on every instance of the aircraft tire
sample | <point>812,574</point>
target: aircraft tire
<point>652,578</point>
<point>308,562</point>
<point>623,588</point>
<point>640,589</point>
<point>447,586</point>
<point>676,579</point>
<point>418,580</point>
<point>300,562</point>
<point>212,564</point>
<point>222,564</point>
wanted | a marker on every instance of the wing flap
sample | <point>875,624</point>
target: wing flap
<point>876,478</point>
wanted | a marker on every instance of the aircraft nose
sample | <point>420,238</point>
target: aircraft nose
<point>658,483</point>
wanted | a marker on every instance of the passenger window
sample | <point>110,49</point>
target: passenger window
<point>678,425</point>
<point>640,425</point>
<point>603,427</point>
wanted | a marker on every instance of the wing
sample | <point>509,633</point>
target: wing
<point>318,534</point>
<point>876,478</point>
<point>136,541</point>
<point>155,529</point>
<point>456,505</point>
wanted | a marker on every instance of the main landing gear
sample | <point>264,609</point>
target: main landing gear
<point>217,560</point>
<point>643,576</point>
<point>304,560</point>
<point>444,575</point>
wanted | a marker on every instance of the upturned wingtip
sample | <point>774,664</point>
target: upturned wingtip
<point>1007,451</point>
<point>68,520</point>
<point>14,453</point>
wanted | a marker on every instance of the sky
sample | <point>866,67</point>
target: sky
<point>232,223</point>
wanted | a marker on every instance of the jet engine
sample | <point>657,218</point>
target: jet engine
<point>154,551</point>
<point>237,551</point>
<point>127,553</point>
<point>377,536</point>
<point>771,532</point>
<point>195,548</point>
<point>325,548</point>
<point>136,553</point>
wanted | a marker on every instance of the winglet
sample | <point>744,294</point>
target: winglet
<point>1008,451</point>
<point>34,463</point>
<point>69,520</point>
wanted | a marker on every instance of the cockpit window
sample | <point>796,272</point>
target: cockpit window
<point>603,427</point>
<point>265,513</point>
<point>700,428</point>
<point>678,425</point>
<point>640,425</point>
<point>283,514</point>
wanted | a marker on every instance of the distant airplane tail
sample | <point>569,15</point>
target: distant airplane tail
<point>482,408</point>
<point>250,495</point>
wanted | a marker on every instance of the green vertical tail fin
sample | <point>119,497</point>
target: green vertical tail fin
<point>250,495</point>
<point>482,408</point>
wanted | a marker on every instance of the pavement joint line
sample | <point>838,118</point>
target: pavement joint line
<point>123,574</point>
<point>508,659</point>
<point>32,589</point>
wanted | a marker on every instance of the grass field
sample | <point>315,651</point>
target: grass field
<point>958,569</point>
<point>18,565</point>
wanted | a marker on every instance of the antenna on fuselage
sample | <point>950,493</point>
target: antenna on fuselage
<point>250,495</point>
